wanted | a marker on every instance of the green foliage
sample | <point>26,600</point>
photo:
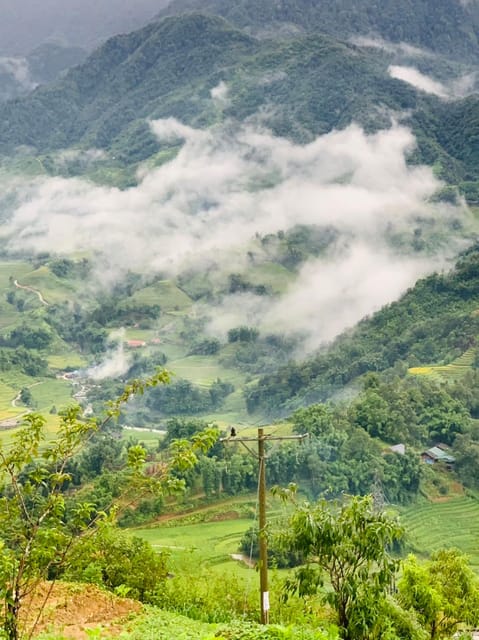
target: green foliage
<point>432,322</point>
<point>350,543</point>
<point>341,457</point>
<point>243,334</point>
<point>278,556</point>
<point>206,347</point>
<point>466,453</point>
<point>39,530</point>
<point>184,398</point>
<point>205,595</point>
<point>444,592</point>
<point>251,631</point>
<point>29,337</point>
<point>34,534</point>
<point>116,561</point>
<point>26,397</point>
<point>24,360</point>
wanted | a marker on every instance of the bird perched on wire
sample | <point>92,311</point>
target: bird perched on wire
<point>232,432</point>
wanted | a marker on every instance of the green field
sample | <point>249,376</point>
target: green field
<point>204,370</point>
<point>272,275</point>
<point>52,392</point>
<point>207,543</point>
<point>147,436</point>
<point>452,371</point>
<point>52,288</point>
<point>67,360</point>
<point>165,294</point>
<point>51,429</point>
<point>453,523</point>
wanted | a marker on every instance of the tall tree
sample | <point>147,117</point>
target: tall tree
<point>443,592</point>
<point>37,531</point>
<point>350,543</point>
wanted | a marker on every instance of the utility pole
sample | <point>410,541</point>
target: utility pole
<point>263,543</point>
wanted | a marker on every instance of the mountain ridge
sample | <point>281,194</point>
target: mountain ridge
<point>306,86</point>
<point>444,26</point>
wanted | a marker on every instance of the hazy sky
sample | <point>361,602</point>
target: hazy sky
<point>24,24</point>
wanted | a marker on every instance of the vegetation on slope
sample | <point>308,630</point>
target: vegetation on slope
<point>435,321</point>
<point>307,84</point>
<point>444,26</point>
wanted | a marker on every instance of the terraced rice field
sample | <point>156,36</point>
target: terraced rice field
<point>453,523</point>
<point>452,371</point>
<point>209,544</point>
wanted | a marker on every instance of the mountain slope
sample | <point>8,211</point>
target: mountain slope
<point>435,321</point>
<point>445,26</point>
<point>303,86</point>
<point>309,85</point>
<point>129,77</point>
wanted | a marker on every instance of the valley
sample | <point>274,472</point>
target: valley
<point>240,215</point>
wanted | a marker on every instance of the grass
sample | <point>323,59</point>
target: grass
<point>207,543</point>
<point>147,436</point>
<point>452,523</point>
<point>164,293</point>
<point>12,270</point>
<point>66,360</point>
<point>139,334</point>
<point>271,275</point>
<point>156,623</point>
<point>52,392</point>
<point>204,370</point>
<point>52,288</point>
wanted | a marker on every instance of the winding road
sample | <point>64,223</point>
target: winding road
<point>35,291</point>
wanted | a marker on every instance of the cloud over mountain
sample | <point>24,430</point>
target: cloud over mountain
<point>229,183</point>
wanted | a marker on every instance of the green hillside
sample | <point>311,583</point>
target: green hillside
<point>444,26</point>
<point>306,85</point>
<point>436,321</point>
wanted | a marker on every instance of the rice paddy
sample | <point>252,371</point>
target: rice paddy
<point>451,523</point>
<point>453,371</point>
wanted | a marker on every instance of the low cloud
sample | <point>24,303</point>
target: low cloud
<point>464,85</point>
<point>228,184</point>
<point>455,88</point>
<point>402,48</point>
<point>19,70</point>
<point>220,93</point>
<point>413,76</point>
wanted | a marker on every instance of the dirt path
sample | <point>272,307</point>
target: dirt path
<point>17,397</point>
<point>240,557</point>
<point>32,290</point>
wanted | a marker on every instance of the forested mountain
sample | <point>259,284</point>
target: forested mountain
<point>304,86</point>
<point>435,321</point>
<point>445,26</point>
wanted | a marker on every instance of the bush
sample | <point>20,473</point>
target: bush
<point>113,559</point>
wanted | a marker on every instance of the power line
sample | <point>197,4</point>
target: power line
<point>260,439</point>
